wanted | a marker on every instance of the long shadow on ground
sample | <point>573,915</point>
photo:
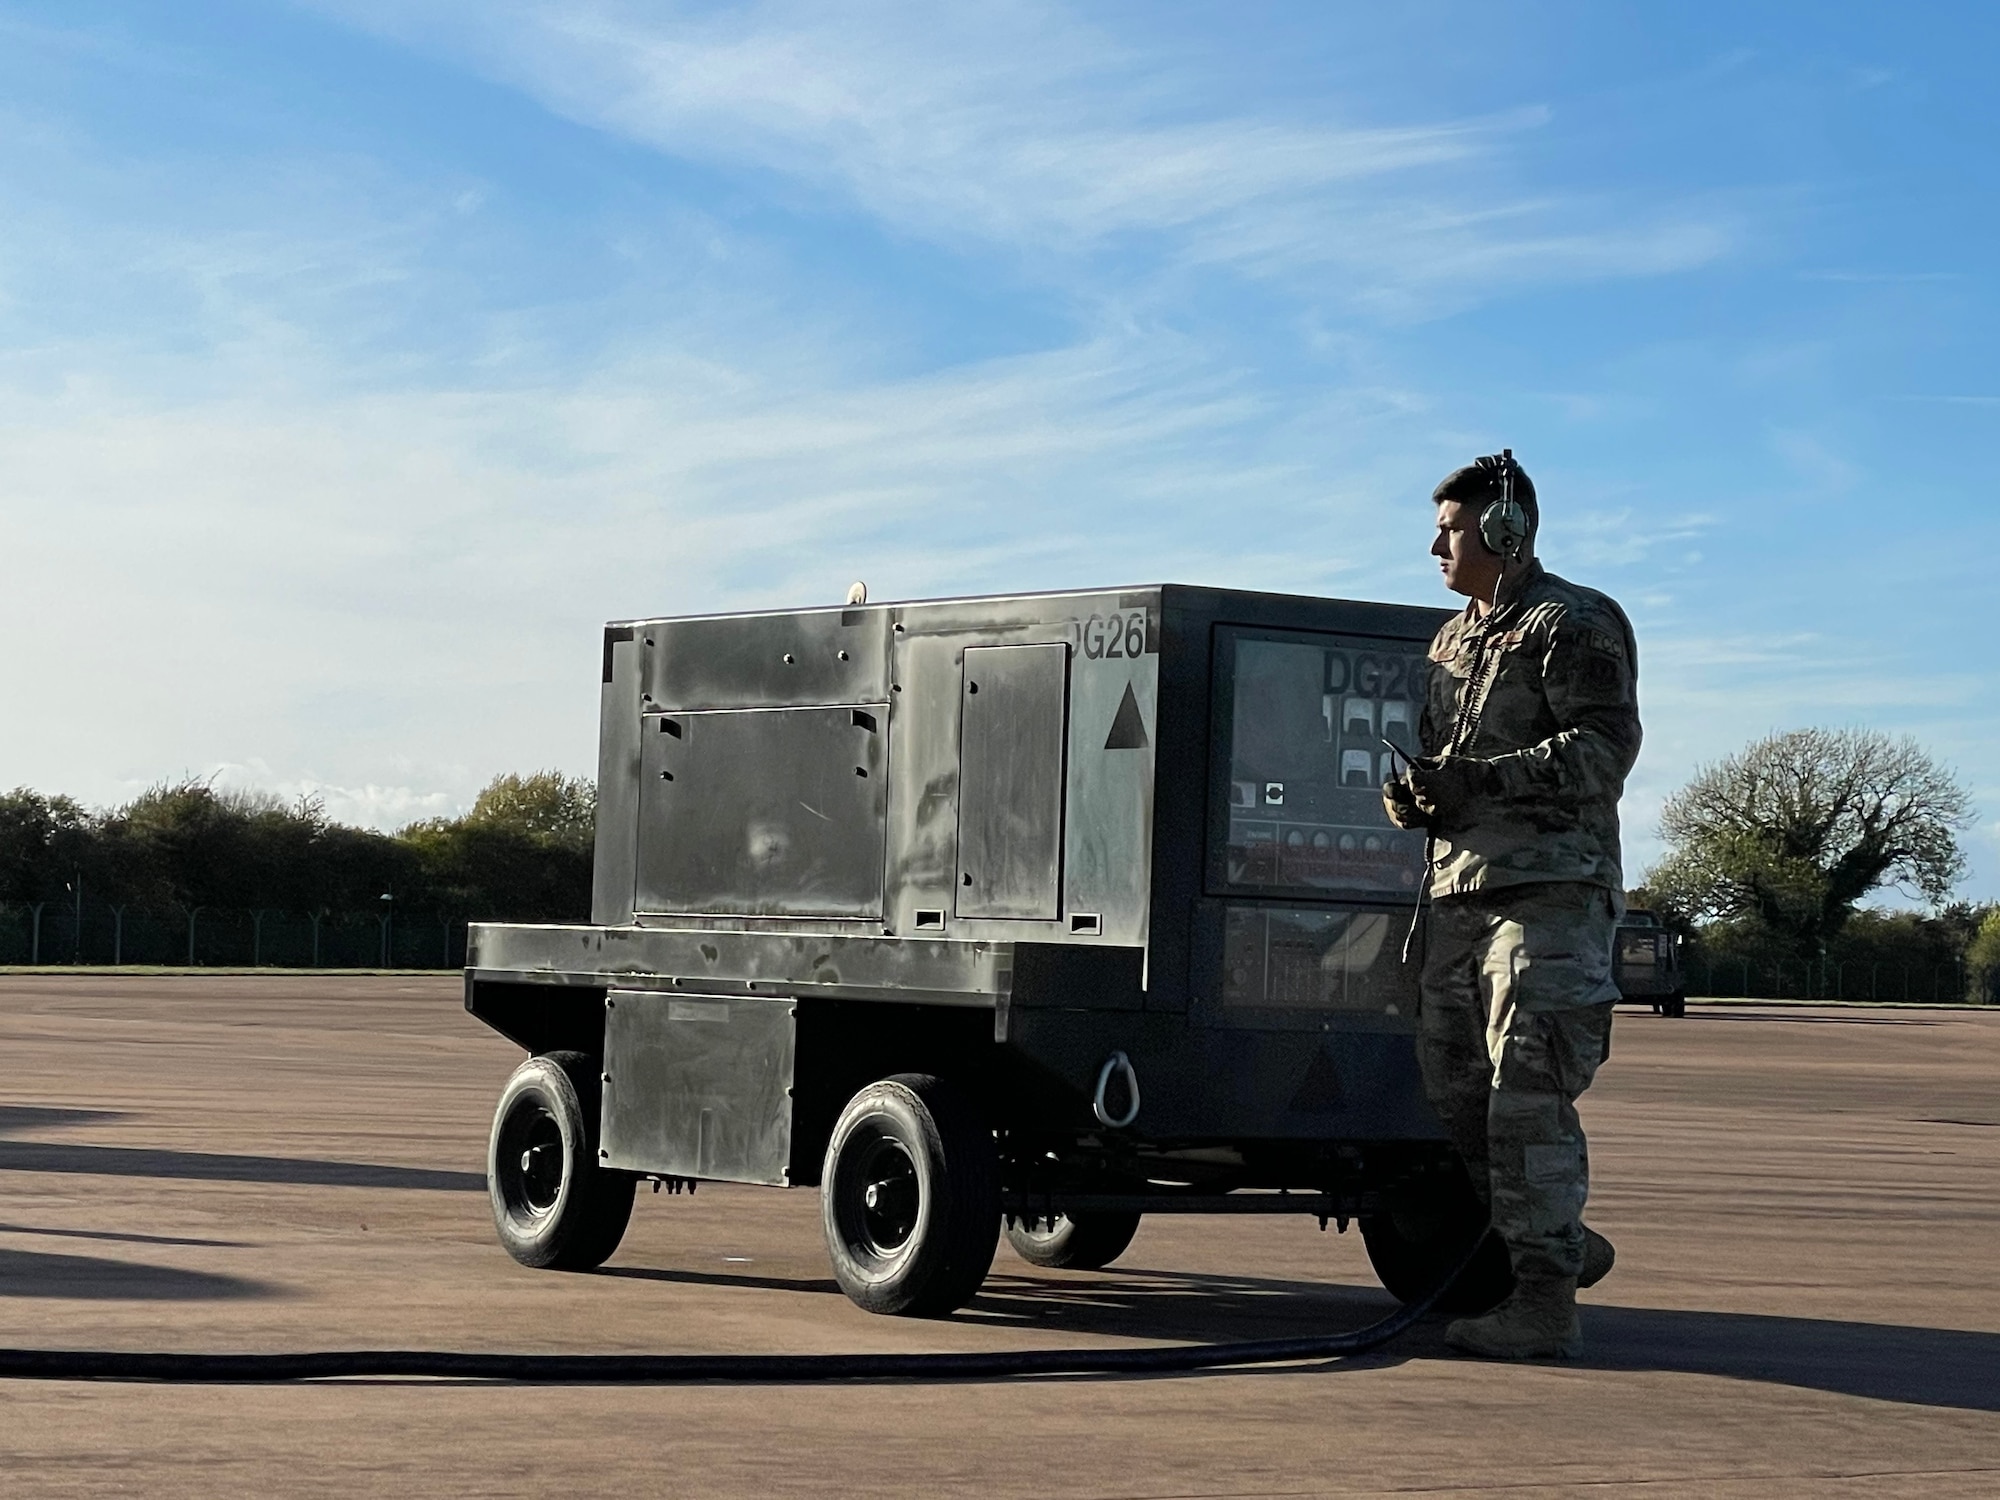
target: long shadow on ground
<point>199,1166</point>
<point>34,1273</point>
<point>205,1166</point>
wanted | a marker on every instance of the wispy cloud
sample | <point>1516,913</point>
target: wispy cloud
<point>1025,127</point>
<point>1620,536</point>
<point>319,580</point>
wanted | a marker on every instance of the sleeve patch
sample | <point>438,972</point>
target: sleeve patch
<point>1605,642</point>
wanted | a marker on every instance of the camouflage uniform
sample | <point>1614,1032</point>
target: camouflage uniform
<point>1532,713</point>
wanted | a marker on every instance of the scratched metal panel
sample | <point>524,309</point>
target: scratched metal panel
<point>763,812</point>
<point>699,1086</point>
<point>1113,731</point>
<point>808,657</point>
<point>855,964</point>
<point>1013,712</point>
<point>617,779</point>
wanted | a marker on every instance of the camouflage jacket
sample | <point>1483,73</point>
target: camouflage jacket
<point>1543,693</point>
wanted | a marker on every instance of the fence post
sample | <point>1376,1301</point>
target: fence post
<point>117,936</point>
<point>35,942</point>
<point>193,912</point>
<point>316,916</point>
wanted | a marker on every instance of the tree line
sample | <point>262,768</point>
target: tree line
<point>1771,851</point>
<point>1770,854</point>
<point>522,853</point>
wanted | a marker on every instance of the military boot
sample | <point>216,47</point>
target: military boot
<point>1598,1258</point>
<point>1538,1321</point>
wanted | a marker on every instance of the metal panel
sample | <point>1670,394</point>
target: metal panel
<point>617,779</point>
<point>1013,714</point>
<point>698,1086</point>
<point>852,965</point>
<point>1108,812</point>
<point>818,657</point>
<point>763,812</point>
<point>923,779</point>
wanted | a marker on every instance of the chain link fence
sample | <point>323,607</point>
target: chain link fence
<point>1917,984</point>
<point>98,933</point>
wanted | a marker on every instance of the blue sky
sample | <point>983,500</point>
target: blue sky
<point>358,358</point>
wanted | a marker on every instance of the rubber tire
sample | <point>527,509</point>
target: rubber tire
<point>1415,1241</point>
<point>1675,1006</point>
<point>1073,1242</point>
<point>925,1133</point>
<point>575,1223</point>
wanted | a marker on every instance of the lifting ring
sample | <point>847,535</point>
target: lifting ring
<point>1116,1062</point>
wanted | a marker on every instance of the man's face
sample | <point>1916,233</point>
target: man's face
<point>1468,567</point>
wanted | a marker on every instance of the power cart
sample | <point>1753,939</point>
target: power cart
<point>1044,912</point>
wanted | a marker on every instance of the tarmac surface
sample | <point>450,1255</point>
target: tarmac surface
<point>1806,1205</point>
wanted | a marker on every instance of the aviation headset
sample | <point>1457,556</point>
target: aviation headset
<point>1503,523</point>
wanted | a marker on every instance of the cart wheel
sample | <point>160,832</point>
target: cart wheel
<point>554,1206</point>
<point>1073,1242</point>
<point>911,1198</point>
<point>1416,1240</point>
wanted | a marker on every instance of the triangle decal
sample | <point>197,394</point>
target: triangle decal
<point>1319,1092</point>
<point>1128,726</point>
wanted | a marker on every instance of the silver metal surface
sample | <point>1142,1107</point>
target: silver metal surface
<point>1108,795</point>
<point>834,965</point>
<point>1113,732</point>
<point>614,867</point>
<point>698,1086</point>
<point>1012,714</point>
<point>800,658</point>
<point>763,812</point>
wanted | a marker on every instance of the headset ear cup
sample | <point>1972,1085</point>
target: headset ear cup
<point>1503,527</point>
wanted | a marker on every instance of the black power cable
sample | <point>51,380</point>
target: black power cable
<point>673,1369</point>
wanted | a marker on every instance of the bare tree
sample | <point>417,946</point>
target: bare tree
<point>1797,828</point>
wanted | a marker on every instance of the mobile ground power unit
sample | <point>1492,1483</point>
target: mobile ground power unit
<point>1050,911</point>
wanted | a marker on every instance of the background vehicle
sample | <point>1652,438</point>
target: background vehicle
<point>1647,961</point>
<point>1057,910</point>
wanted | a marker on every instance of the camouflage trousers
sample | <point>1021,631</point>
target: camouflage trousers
<point>1513,1020</point>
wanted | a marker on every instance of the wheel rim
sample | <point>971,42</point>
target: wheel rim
<point>529,1159</point>
<point>1042,1231</point>
<point>879,1200</point>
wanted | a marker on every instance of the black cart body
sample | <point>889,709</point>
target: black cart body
<point>1113,863</point>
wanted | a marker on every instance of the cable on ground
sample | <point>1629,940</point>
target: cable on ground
<point>677,1369</point>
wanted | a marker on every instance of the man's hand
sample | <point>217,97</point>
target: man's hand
<point>1442,788</point>
<point>1400,803</point>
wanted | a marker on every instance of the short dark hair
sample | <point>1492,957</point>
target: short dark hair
<point>1478,483</point>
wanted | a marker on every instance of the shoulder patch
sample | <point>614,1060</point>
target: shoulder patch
<point>1604,641</point>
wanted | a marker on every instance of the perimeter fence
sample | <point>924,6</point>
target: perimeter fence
<point>1917,984</point>
<point>99,933</point>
